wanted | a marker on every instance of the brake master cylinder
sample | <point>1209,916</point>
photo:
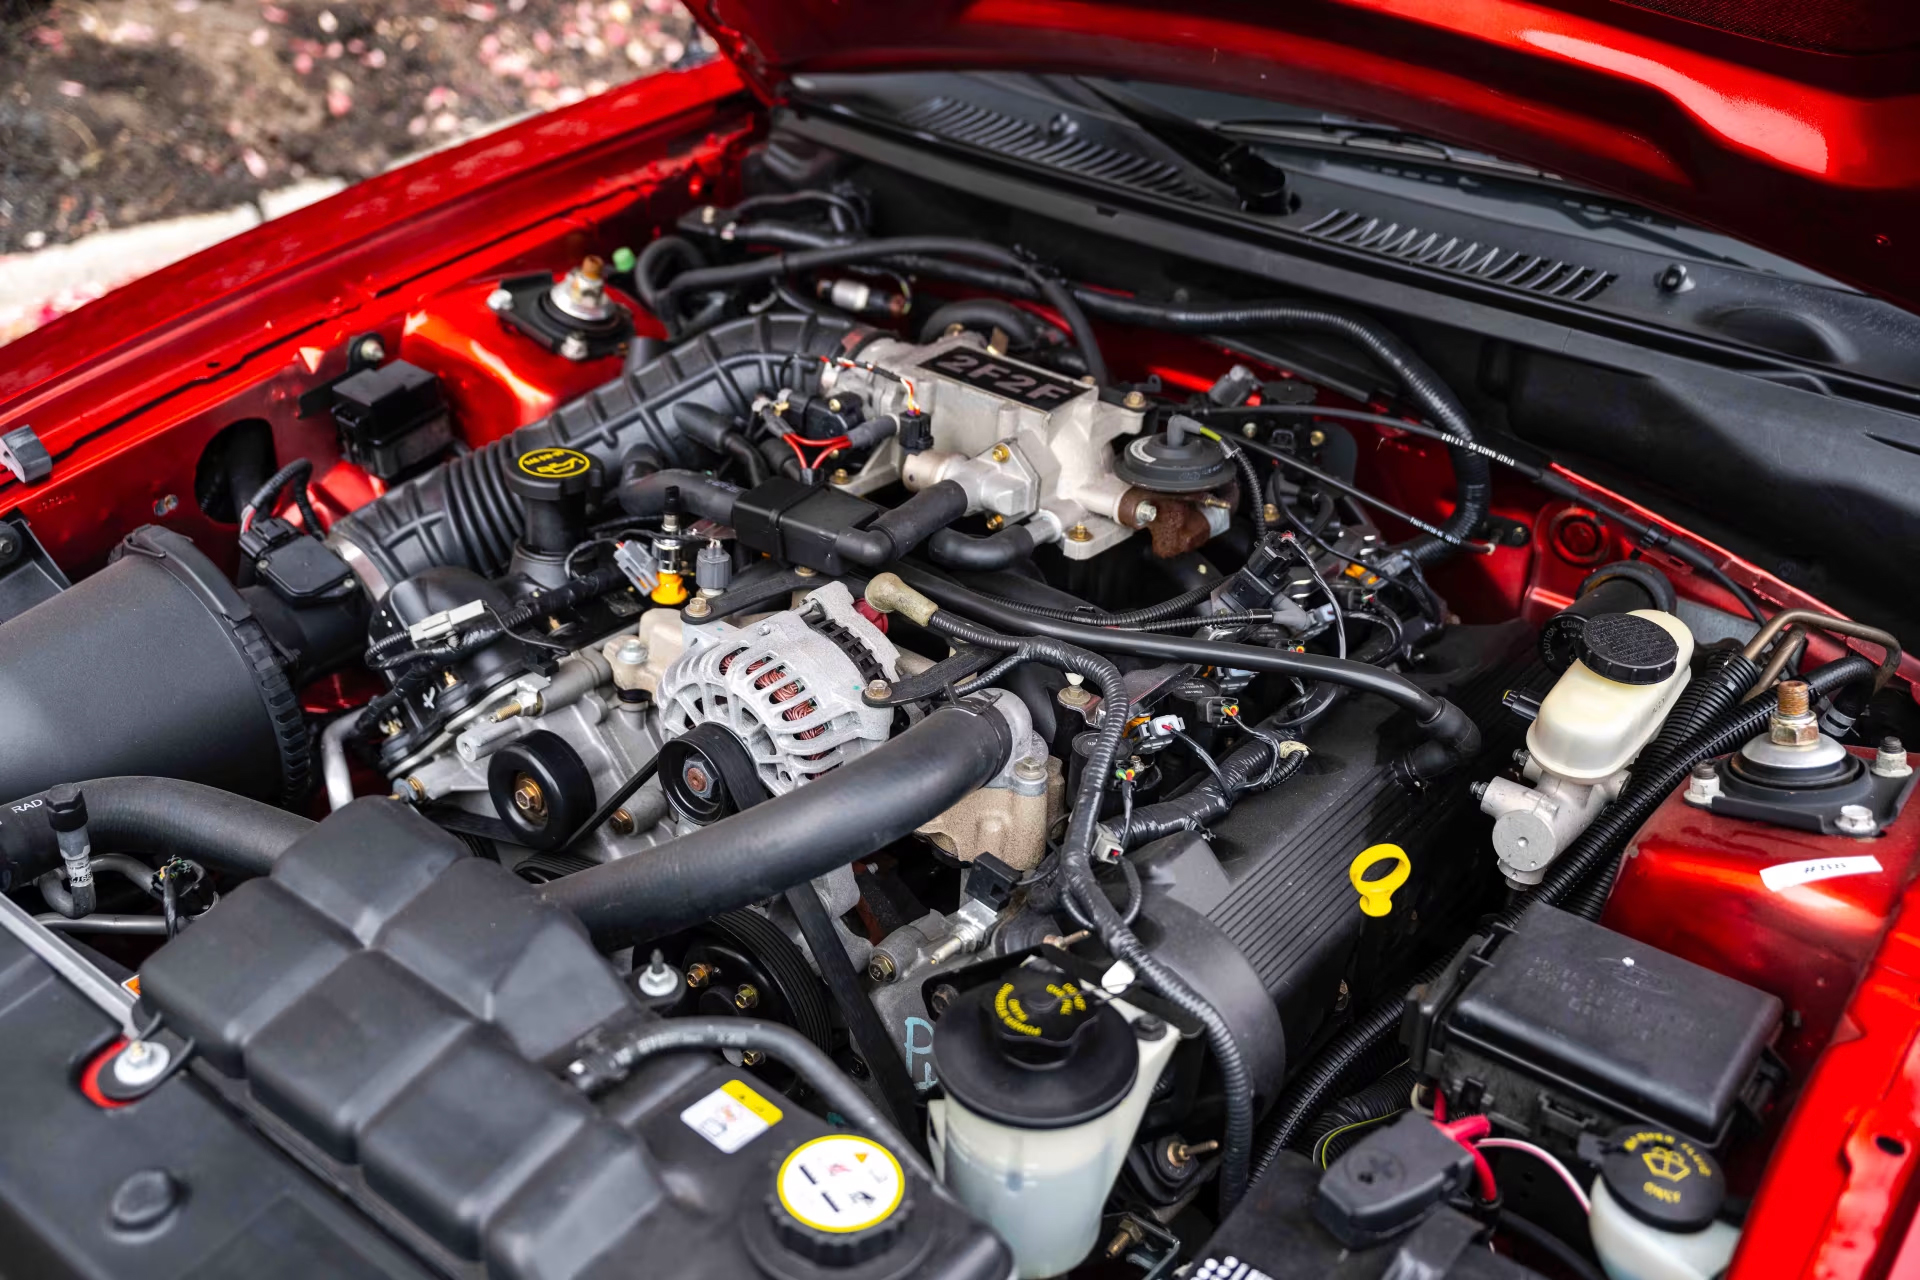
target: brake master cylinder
<point>1605,707</point>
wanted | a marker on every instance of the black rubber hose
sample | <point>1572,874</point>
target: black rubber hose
<point>1387,1096</point>
<point>1021,327</point>
<point>900,529</point>
<point>997,550</point>
<point>710,427</point>
<point>1724,676</point>
<point>1580,880</point>
<point>1046,286</point>
<point>1452,736</point>
<point>1256,492</point>
<point>847,813</point>
<point>1171,607</point>
<point>596,1071</point>
<point>1205,802</point>
<point>667,249</point>
<point>161,818</point>
<point>645,496</point>
<point>1075,861</point>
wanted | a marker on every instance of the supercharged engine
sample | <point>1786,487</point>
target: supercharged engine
<point>866,786</point>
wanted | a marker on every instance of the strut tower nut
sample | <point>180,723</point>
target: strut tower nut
<point>1793,723</point>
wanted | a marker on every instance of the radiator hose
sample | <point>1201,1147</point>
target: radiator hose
<point>761,851</point>
<point>157,817</point>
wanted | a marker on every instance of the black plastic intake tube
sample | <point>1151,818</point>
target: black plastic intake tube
<point>159,817</point>
<point>981,555</point>
<point>1452,737</point>
<point>897,531</point>
<point>463,513</point>
<point>842,815</point>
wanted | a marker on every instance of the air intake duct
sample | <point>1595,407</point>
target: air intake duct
<point>465,514</point>
<point>154,665</point>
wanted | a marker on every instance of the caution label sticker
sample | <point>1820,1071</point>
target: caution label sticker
<point>731,1116</point>
<point>840,1183</point>
<point>1786,875</point>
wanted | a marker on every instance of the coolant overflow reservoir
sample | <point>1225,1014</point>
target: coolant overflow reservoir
<point>1602,710</point>
<point>1046,1084</point>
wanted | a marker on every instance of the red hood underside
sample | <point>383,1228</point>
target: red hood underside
<point>1792,124</point>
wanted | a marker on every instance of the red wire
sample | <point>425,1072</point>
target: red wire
<point>1466,1131</point>
<point>797,442</point>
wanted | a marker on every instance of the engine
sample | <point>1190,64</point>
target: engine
<point>1088,816</point>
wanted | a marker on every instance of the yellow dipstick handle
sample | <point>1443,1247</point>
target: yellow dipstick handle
<point>1376,895</point>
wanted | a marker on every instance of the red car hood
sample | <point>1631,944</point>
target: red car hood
<point>1792,124</point>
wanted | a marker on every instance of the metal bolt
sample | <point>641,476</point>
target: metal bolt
<point>954,330</point>
<point>747,996</point>
<point>1149,1028</point>
<point>166,504</point>
<point>621,822</point>
<point>1079,533</point>
<point>999,453</point>
<point>708,214</point>
<point>573,347</point>
<point>699,975</point>
<point>840,475</point>
<point>834,404</point>
<point>1855,820</point>
<point>499,300</point>
<point>696,778</point>
<point>1074,696</point>
<point>1316,438</point>
<point>1271,512</point>
<point>1145,513</point>
<point>657,980</point>
<point>417,788</point>
<point>942,998</point>
<point>1703,786</point>
<point>881,968</point>
<point>879,690</point>
<point>801,571</point>
<point>1179,1153</point>
<point>995,522</point>
<point>371,349</point>
<point>1030,769</point>
<point>632,650</point>
<point>1134,400</point>
<point>1250,429</point>
<point>1793,697</point>
<point>528,798</point>
<point>752,1058</point>
<point>141,1062</point>
<point>697,607</point>
<point>1891,760</point>
<point>1126,1237</point>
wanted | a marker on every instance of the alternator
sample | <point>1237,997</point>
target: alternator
<point>788,686</point>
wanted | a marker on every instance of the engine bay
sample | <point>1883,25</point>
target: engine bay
<point>787,734</point>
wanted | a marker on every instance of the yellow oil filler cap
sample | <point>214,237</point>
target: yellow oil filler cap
<point>1376,893</point>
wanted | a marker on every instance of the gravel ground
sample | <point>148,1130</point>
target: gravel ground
<point>120,112</point>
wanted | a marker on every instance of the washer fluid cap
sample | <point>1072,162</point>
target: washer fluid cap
<point>1629,649</point>
<point>1663,1179</point>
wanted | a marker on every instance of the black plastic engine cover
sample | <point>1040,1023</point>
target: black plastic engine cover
<point>391,1014</point>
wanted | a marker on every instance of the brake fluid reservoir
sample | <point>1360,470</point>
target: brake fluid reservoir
<point>1046,1086</point>
<point>1606,706</point>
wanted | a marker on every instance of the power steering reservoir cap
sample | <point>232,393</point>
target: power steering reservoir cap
<point>1663,1179</point>
<point>839,1200</point>
<point>1035,1051</point>
<point>1628,649</point>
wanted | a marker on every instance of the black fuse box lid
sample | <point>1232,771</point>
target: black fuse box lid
<point>1599,1018</point>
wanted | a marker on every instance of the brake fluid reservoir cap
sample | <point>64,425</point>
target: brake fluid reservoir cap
<point>1629,649</point>
<point>1662,1179</point>
<point>839,1200</point>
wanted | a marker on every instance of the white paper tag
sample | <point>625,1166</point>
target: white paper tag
<point>1788,874</point>
<point>731,1116</point>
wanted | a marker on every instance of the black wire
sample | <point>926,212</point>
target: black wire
<point>1358,494</point>
<point>263,497</point>
<point>1206,758</point>
<point>1547,1242</point>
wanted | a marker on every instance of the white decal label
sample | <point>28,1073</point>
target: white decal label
<point>1788,874</point>
<point>731,1116</point>
<point>841,1183</point>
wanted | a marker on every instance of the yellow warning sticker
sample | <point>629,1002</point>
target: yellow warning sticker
<point>841,1183</point>
<point>731,1116</point>
<point>133,984</point>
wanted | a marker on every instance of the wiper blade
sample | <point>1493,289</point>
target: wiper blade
<point>1376,140</point>
<point>1258,183</point>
